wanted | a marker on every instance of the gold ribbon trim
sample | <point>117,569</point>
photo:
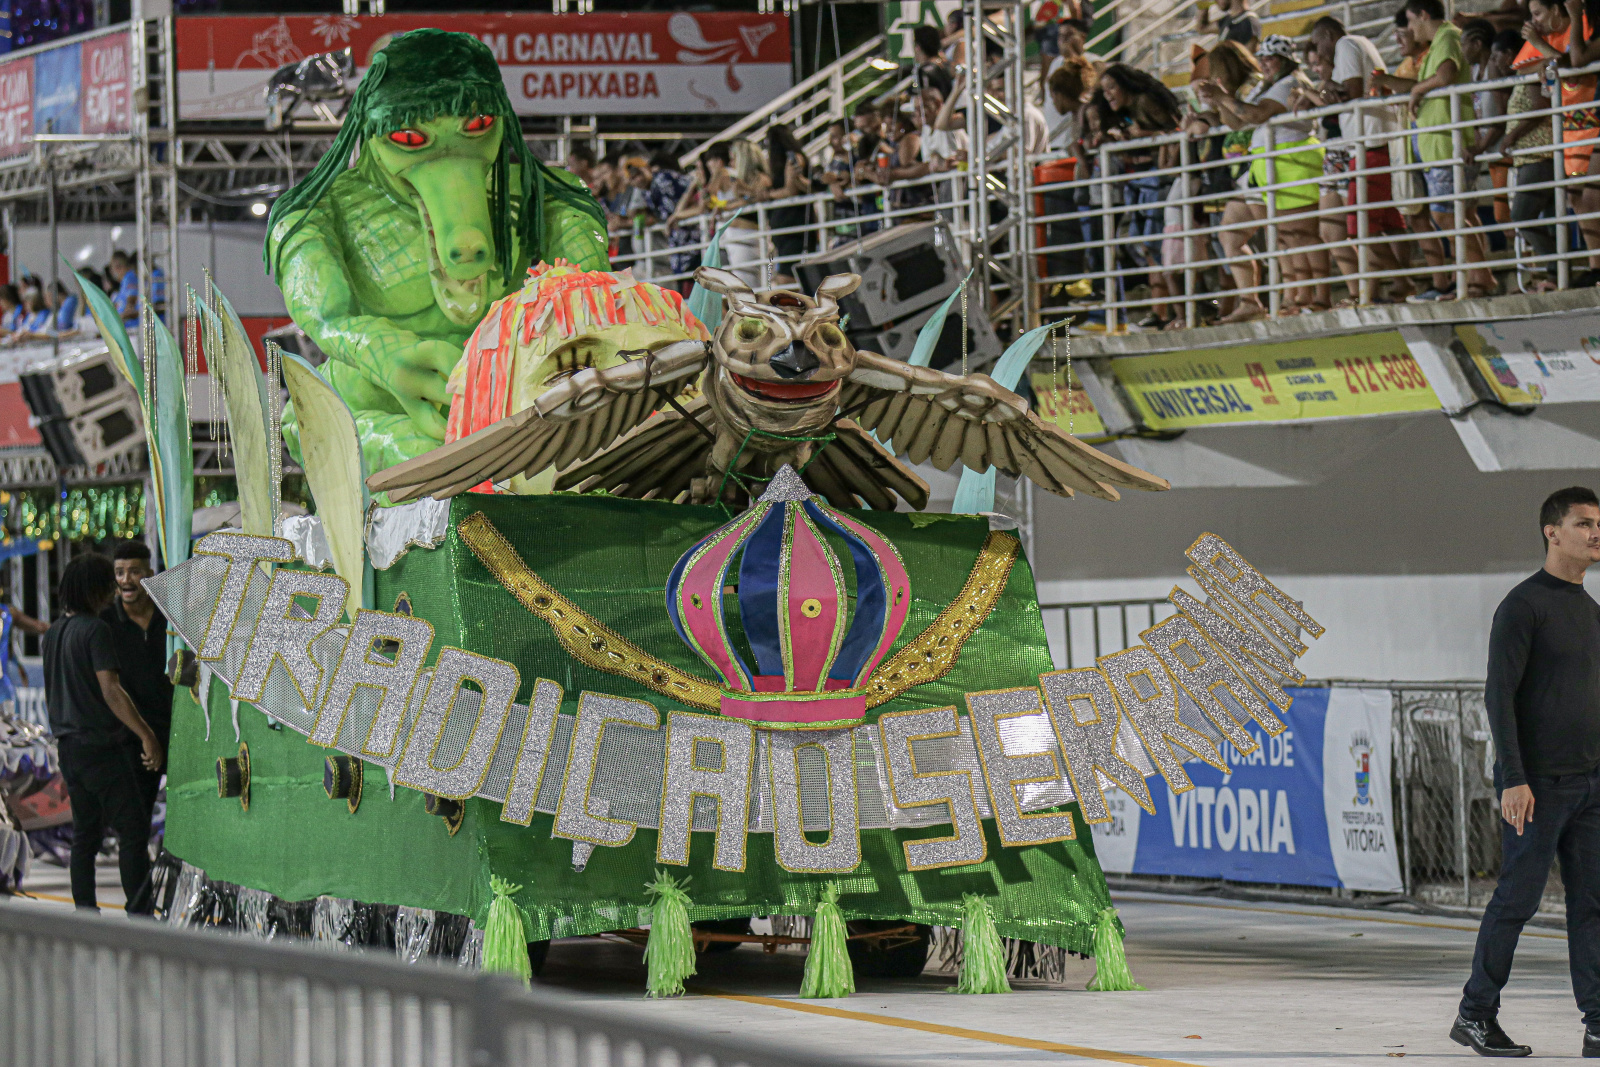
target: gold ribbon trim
<point>934,652</point>
<point>931,655</point>
<point>589,642</point>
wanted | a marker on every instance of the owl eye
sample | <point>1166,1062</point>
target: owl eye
<point>409,138</point>
<point>831,335</point>
<point>751,328</point>
<point>478,123</point>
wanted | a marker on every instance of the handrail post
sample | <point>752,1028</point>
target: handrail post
<point>1108,231</point>
<point>1558,174</point>
<point>1458,174</point>
<point>1364,284</point>
<point>1274,268</point>
<point>1189,188</point>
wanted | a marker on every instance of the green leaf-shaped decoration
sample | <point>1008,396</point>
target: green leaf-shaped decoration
<point>331,451</point>
<point>245,391</point>
<point>171,449</point>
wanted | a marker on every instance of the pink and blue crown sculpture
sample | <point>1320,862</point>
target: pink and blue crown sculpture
<point>811,651</point>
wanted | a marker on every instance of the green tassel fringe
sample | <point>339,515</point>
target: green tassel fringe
<point>828,971</point>
<point>1111,974</point>
<point>669,954</point>
<point>505,944</point>
<point>983,958</point>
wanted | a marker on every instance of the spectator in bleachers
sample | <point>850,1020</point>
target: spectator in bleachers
<point>10,309</point>
<point>1443,66</point>
<point>905,165</point>
<point>1580,128</point>
<point>1235,72</point>
<point>1070,35</point>
<point>927,48</point>
<point>1071,83</point>
<point>124,272</point>
<point>723,195</point>
<point>1135,105</point>
<point>1296,170</point>
<point>664,190</point>
<point>936,150</point>
<point>1550,33</point>
<point>838,174</point>
<point>954,42</point>
<point>1353,60</point>
<point>1409,184</point>
<point>788,175</point>
<point>65,306</point>
<point>867,121</point>
<point>581,164</point>
<point>1336,157</point>
<point>1235,22</point>
<point>1488,65</point>
<point>1520,150</point>
<point>34,322</point>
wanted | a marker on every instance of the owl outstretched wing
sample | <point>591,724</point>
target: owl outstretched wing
<point>928,415</point>
<point>661,456</point>
<point>569,423</point>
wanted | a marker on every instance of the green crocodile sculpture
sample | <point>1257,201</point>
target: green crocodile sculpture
<point>390,264</point>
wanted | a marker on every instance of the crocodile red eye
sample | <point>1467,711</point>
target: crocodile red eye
<point>478,124</point>
<point>409,138</point>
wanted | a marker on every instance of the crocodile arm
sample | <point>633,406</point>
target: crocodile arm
<point>317,290</point>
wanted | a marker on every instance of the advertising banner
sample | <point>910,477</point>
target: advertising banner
<point>1309,807</point>
<point>1071,409</point>
<point>1319,378</point>
<point>1553,360</point>
<point>16,107</point>
<point>79,87</point>
<point>106,85</point>
<point>57,89</point>
<point>633,63</point>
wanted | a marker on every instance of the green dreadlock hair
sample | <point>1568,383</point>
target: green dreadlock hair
<point>419,76</point>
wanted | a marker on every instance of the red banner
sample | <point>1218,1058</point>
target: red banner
<point>16,107</point>
<point>634,63</point>
<point>106,84</point>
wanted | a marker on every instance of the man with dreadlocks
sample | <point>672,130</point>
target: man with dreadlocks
<point>427,209</point>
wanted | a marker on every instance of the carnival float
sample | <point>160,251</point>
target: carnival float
<point>619,614</point>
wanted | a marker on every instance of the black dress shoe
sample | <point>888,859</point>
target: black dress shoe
<point>1487,1039</point>
<point>1591,1044</point>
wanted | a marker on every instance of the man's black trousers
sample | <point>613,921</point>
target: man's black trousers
<point>105,787</point>
<point>1565,826</point>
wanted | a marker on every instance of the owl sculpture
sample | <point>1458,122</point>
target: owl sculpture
<point>779,383</point>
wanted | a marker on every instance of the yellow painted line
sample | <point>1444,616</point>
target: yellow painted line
<point>1355,917</point>
<point>956,1031</point>
<point>65,900</point>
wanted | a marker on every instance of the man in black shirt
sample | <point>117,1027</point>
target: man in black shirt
<point>1543,699</point>
<point>139,633</point>
<point>93,719</point>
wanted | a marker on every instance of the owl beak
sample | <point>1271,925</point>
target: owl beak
<point>796,361</point>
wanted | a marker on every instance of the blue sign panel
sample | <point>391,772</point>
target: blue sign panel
<point>58,78</point>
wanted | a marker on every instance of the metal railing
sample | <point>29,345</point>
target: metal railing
<point>647,250</point>
<point>1259,243</point>
<point>1444,793</point>
<point>1120,207</point>
<point>77,989</point>
<point>31,707</point>
<point>1442,777</point>
<point>1080,632</point>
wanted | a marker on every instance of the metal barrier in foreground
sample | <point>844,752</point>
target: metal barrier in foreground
<point>78,989</point>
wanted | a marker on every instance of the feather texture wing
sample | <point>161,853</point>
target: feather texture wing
<point>942,418</point>
<point>657,459</point>
<point>569,423</point>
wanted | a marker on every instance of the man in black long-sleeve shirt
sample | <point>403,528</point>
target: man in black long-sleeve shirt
<point>1543,699</point>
